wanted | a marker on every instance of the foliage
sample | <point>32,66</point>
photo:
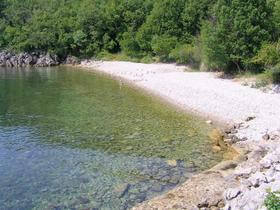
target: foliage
<point>235,36</point>
<point>276,74</point>
<point>215,54</point>
<point>237,30</point>
<point>186,54</point>
<point>272,201</point>
<point>276,16</point>
<point>194,13</point>
<point>268,55</point>
<point>162,46</point>
<point>147,59</point>
<point>107,56</point>
<point>129,44</point>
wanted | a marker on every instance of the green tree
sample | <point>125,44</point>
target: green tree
<point>194,12</point>
<point>235,32</point>
<point>163,45</point>
<point>164,20</point>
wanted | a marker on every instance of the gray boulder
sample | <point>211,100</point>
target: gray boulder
<point>21,60</point>
<point>72,60</point>
<point>47,60</point>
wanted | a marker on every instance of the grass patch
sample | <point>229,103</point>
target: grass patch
<point>116,57</point>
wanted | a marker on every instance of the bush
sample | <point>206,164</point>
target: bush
<point>268,55</point>
<point>147,59</point>
<point>107,56</point>
<point>162,46</point>
<point>129,44</point>
<point>215,55</point>
<point>269,76</point>
<point>186,54</point>
<point>272,201</point>
<point>275,74</point>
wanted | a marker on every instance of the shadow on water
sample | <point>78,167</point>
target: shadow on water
<point>73,140</point>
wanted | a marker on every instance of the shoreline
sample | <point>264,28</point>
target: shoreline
<point>163,99</point>
<point>252,128</point>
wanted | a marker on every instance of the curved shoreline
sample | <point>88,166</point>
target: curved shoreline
<point>253,127</point>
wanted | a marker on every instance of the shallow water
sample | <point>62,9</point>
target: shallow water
<point>75,140</point>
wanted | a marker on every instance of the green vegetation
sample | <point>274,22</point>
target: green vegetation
<point>186,54</point>
<point>272,201</point>
<point>232,36</point>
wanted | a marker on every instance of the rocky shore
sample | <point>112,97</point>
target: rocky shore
<point>8,59</point>
<point>251,126</point>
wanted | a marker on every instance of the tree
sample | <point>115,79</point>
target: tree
<point>164,20</point>
<point>235,32</point>
<point>194,12</point>
<point>163,45</point>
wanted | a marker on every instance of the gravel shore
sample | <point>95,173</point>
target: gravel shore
<point>252,116</point>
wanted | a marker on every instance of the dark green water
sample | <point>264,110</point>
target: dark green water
<point>76,140</point>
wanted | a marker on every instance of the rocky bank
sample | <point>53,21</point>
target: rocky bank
<point>8,59</point>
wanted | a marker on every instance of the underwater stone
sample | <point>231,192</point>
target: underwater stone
<point>83,200</point>
<point>120,190</point>
<point>172,162</point>
<point>156,188</point>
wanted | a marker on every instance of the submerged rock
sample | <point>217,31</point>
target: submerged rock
<point>121,189</point>
<point>172,163</point>
<point>201,191</point>
<point>83,200</point>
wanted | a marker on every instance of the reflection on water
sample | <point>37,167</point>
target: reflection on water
<point>74,140</point>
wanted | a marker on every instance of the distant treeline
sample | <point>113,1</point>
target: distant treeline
<point>228,35</point>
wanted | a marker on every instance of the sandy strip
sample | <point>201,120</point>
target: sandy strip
<point>212,97</point>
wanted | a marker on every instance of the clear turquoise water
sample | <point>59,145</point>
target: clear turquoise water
<point>73,139</point>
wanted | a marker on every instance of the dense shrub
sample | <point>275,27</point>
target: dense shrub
<point>269,55</point>
<point>270,75</point>
<point>186,54</point>
<point>129,44</point>
<point>215,55</point>
<point>163,45</point>
<point>275,74</point>
<point>147,59</point>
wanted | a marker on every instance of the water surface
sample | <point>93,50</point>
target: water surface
<point>72,139</point>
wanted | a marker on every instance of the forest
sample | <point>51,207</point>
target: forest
<point>225,35</point>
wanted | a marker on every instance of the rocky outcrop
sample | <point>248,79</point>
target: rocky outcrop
<point>72,60</point>
<point>256,176</point>
<point>8,59</point>
<point>47,60</point>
